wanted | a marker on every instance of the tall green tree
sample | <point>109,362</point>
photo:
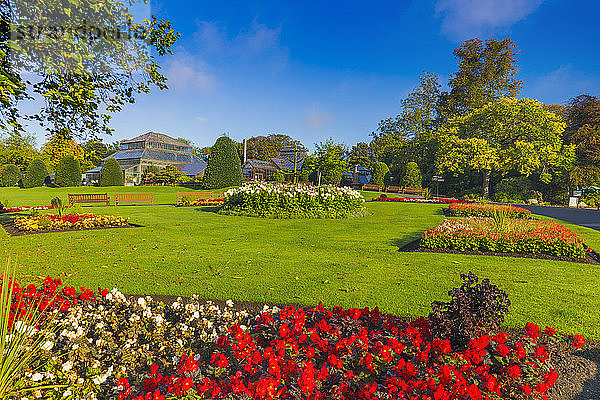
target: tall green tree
<point>68,172</point>
<point>94,151</point>
<point>487,71</point>
<point>99,60</point>
<point>61,144</point>
<point>380,170</point>
<point>266,147</point>
<point>329,161</point>
<point>111,173</point>
<point>18,148</point>
<point>36,174</point>
<point>505,135</point>
<point>361,154</point>
<point>224,168</point>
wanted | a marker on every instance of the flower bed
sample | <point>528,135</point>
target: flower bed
<point>512,236</point>
<point>437,200</point>
<point>205,202</point>
<point>24,208</point>
<point>70,221</point>
<point>110,347</point>
<point>293,201</point>
<point>487,210</point>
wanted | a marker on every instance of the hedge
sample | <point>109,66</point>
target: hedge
<point>68,172</point>
<point>36,174</point>
<point>224,168</point>
<point>111,174</point>
<point>11,175</point>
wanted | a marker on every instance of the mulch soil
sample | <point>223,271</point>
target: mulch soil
<point>415,246</point>
<point>11,230</point>
<point>578,375</point>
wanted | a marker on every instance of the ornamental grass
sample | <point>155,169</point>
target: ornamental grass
<point>505,235</point>
<point>486,210</point>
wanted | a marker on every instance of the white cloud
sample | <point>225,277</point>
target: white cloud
<point>185,71</point>
<point>559,85</point>
<point>317,117</point>
<point>469,18</point>
<point>201,119</point>
<point>259,42</point>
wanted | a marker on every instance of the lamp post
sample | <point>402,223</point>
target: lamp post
<point>437,179</point>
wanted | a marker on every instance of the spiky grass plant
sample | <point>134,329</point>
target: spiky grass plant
<point>22,338</point>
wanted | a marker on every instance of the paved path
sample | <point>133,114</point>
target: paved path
<point>583,217</point>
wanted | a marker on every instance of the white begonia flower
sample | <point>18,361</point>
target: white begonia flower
<point>37,377</point>
<point>67,366</point>
<point>229,303</point>
<point>48,345</point>
<point>67,393</point>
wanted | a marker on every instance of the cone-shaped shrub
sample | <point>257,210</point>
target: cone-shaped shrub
<point>111,174</point>
<point>413,175</point>
<point>36,174</point>
<point>224,168</point>
<point>11,175</point>
<point>380,170</point>
<point>68,172</point>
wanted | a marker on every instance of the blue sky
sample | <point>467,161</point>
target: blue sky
<point>315,69</point>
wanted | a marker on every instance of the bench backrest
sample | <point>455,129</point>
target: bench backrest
<point>395,189</point>
<point>372,187</point>
<point>88,198</point>
<point>411,190</point>
<point>193,195</point>
<point>132,197</point>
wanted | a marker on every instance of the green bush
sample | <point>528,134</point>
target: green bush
<point>513,190</point>
<point>278,176</point>
<point>380,170</point>
<point>413,175</point>
<point>224,168</point>
<point>68,172</point>
<point>36,174</point>
<point>111,174</point>
<point>11,175</point>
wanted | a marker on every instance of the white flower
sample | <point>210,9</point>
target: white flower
<point>37,377</point>
<point>48,345</point>
<point>229,303</point>
<point>67,366</point>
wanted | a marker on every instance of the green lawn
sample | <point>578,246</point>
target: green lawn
<point>351,262</point>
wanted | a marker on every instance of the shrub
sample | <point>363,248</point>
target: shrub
<point>513,190</point>
<point>224,168</point>
<point>474,310</point>
<point>111,173</point>
<point>505,236</point>
<point>68,172</point>
<point>36,174</point>
<point>486,210</point>
<point>413,175</point>
<point>592,200</point>
<point>278,176</point>
<point>292,201</point>
<point>11,175</point>
<point>380,170</point>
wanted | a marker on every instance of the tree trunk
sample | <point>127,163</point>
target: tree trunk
<point>485,188</point>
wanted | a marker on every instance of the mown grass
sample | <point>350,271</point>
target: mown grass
<point>351,262</point>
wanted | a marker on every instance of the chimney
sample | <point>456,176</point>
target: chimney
<point>244,150</point>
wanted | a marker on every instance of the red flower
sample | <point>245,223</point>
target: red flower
<point>578,342</point>
<point>532,330</point>
<point>550,331</point>
<point>514,371</point>
<point>154,369</point>
<point>502,349</point>
<point>525,389</point>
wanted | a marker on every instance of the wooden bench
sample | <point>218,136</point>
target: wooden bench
<point>377,188</point>
<point>194,196</point>
<point>411,190</point>
<point>89,198</point>
<point>121,198</point>
<point>394,189</point>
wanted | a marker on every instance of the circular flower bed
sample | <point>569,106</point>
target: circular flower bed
<point>70,221</point>
<point>293,201</point>
<point>107,347</point>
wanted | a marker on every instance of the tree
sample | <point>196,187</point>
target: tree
<point>413,175</point>
<point>329,162</point>
<point>380,170</point>
<point>278,176</point>
<point>168,175</point>
<point>18,148</point>
<point>224,168</point>
<point>68,172</point>
<point>111,173</point>
<point>61,144</point>
<point>266,147</point>
<point>581,111</point>
<point>36,174</point>
<point>94,151</point>
<point>361,154</point>
<point>486,73</point>
<point>509,134</point>
<point>88,70</point>
<point>11,175</point>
